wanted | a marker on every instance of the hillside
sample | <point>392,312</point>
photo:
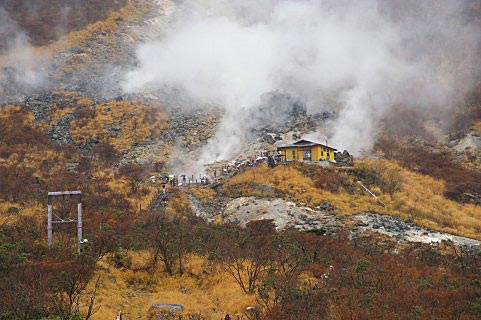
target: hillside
<point>46,21</point>
<point>392,232</point>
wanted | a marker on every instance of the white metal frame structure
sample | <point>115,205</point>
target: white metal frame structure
<point>50,220</point>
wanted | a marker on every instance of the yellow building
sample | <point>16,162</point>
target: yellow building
<point>306,150</point>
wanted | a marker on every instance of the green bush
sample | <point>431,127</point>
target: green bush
<point>121,258</point>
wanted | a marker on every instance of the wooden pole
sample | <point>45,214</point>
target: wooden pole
<point>372,194</point>
<point>49,221</point>
<point>79,223</point>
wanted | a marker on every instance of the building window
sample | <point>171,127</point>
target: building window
<point>307,155</point>
<point>293,154</point>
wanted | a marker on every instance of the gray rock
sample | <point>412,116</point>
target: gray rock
<point>326,206</point>
<point>60,132</point>
<point>344,158</point>
<point>268,138</point>
<point>165,310</point>
<point>471,142</point>
<point>72,167</point>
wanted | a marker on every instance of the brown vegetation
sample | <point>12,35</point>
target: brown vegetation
<point>159,256</point>
<point>295,275</point>
<point>406,193</point>
<point>120,123</point>
<point>440,165</point>
<point>46,20</point>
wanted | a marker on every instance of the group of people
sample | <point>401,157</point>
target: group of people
<point>173,181</point>
<point>248,163</point>
<point>184,180</point>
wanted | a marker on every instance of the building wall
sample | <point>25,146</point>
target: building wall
<point>317,153</point>
<point>289,154</point>
<point>326,153</point>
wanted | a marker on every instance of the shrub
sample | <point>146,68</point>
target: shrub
<point>13,210</point>
<point>121,258</point>
<point>139,278</point>
<point>381,174</point>
<point>459,180</point>
<point>106,152</point>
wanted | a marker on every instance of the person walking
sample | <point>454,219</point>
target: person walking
<point>165,200</point>
<point>163,187</point>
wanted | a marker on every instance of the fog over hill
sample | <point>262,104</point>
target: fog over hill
<point>44,21</point>
<point>20,67</point>
<point>131,102</point>
<point>361,58</point>
<point>27,25</point>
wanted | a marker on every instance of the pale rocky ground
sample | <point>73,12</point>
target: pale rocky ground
<point>406,231</point>
<point>471,141</point>
<point>287,215</point>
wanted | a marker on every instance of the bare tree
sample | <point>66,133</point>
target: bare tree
<point>246,254</point>
<point>92,309</point>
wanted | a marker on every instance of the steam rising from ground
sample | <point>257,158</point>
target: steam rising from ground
<point>20,68</point>
<point>361,57</point>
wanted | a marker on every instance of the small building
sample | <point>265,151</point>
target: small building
<point>306,150</point>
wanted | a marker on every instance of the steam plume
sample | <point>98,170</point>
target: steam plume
<point>20,68</point>
<point>362,57</point>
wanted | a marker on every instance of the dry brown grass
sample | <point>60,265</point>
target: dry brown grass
<point>136,123</point>
<point>204,194</point>
<point>210,292</point>
<point>422,198</point>
<point>419,197</point>
<point>11,218</point>
<point>42,159</point>
<point>120,186</point>
<point>179,205</point>
<point>7,112</point>
<point>299,187</point>
<point>477,127</point>
<point>132,11</point>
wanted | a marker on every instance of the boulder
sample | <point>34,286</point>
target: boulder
<point>268,139</point>
<point>344,158</point>
<point>470,142</point>
<point>164,311</point>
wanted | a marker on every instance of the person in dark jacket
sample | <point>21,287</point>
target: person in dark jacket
<point>227,317</point>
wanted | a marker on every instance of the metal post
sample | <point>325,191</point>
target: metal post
<point>79,222</point>
<point>49,221</point>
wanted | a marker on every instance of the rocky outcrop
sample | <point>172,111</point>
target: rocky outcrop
<point>407,231</point>
<point>300,123</point>
<point>344,158</point>
<point>278,108</point>
<point>285,214</point>
<point>148,152</point>
<point>39,106</point>
<point>60,132</point>
<point>164,311</point>
<point>191,128</point>
<point>288,215</point>
<point>207,211</point>
<point>472,142</point>
<point>96,65</point>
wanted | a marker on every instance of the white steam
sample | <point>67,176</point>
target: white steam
<point>21,69</point>
<point>360,56</point>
